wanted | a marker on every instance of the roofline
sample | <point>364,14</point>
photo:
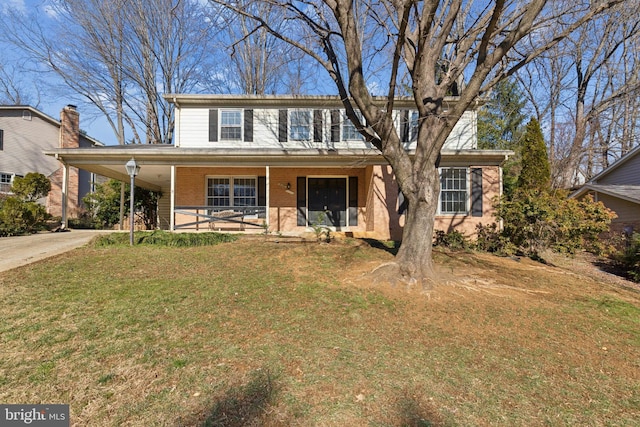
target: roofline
<point>195,100</point>
<point>33,111</point>
<point>615,165</point>
<point>47,118</point>
<point>597,189</point>
<point>168,154</point>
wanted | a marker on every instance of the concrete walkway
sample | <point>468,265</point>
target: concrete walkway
<point>22,250</point>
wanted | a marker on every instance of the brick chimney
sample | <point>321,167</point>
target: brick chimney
<point>69,127</point>
<point>69,138</point>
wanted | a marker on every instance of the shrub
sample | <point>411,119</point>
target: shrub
<point>21,217</point>
<point>630,258</point>
<point>490,239</point>
<point>452,240</point>
<point>535,220</point>
<point>164,238</point>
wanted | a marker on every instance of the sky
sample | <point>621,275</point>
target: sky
<point>37,86</point>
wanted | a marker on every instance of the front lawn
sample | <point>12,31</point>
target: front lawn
<point>256,332</point>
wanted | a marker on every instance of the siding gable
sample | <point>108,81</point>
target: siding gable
<point>627,174</point>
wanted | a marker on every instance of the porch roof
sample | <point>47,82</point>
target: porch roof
<point>156,160</point>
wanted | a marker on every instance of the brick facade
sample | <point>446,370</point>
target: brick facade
<point>69,138</point>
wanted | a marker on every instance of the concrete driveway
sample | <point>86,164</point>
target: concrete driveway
<point>21,250</point>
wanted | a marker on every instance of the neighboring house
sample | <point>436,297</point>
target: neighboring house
<point>290,163</point>
<point>25,133</point>
<point>618,188</point>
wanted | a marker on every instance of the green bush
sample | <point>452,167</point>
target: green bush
<point>490,239</point>
<point>452,240</point>
<point>630,258</point>
<point>164,238</point>
<point>535,220</point>
<point>21,217</point>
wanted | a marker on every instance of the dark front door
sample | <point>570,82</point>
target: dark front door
<point>327,201</point>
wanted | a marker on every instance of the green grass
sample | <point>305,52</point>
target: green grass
<point>259,333</point>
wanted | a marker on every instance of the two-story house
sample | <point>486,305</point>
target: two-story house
<point>25,133</point>
<point>290,163</point>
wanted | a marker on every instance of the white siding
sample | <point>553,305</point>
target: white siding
<point>194,127</point>
<point>464,135</point>
<point>194,132</point>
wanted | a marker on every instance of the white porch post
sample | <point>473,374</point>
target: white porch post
<point>172,198</point>
<point>268,191</point>
<point>65,195</point>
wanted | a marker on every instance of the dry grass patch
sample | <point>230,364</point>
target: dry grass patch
<point>264,333</point>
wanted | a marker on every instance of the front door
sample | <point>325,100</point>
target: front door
<point>327,201</point>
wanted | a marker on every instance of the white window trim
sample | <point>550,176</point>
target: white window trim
<point>220,125</point>
<point>290,113</point>
<point>345,119</point>
<point>467,191</point>
<point>231,179</point>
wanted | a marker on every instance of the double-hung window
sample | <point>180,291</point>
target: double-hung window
<point>300,125</point>
<point>453,190</point>
<point>231,125</point>
<point>232,191</point>
<point>5,182</point>
<point>413,126</point>
<point>349,131</point>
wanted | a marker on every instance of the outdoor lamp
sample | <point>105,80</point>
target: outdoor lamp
<point>132,169</point>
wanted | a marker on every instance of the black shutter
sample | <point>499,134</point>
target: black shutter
<point>262,191</point>
<point>476,192</point>
<point>403,203</point>
<point>335,125</point>
<point>213,125</point>
<point>317,125</point>
<point>353,201</point>
<point>404,126</point>
<point>301,200</point>
<point>248,125</point>
<point>282,126</point>
<point>1,140</point>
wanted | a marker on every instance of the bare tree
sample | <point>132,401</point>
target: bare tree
<point>436,43</point>
<point>260,64</point>
<point>13,88</point>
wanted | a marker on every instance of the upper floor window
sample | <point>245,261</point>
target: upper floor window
<point>300,125</point>
<point>413,126</point>
<point>349,131</point>
<point>231,125</point>
<point>453,190</point>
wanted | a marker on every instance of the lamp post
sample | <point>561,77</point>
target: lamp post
<point>132,169</point>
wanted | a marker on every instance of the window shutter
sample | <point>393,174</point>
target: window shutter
<point>262,191</point>
<point>213,125</point>
<point>282,126</point>
<point>1,140</point>
<point>301,200</point>
<point>404,126</point>
<point>248,125</point>
<point>317,125</point>
<point>476,192</point>
<point>335,125</point>
<point>403,203</point>
<point>353,200</point>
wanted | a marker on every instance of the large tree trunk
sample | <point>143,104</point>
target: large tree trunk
<point>413,265</point>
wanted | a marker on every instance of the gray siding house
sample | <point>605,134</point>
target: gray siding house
<point>25,134</point>
<point>618,188</point>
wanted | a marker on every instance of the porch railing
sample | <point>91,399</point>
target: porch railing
<point>206,217</point>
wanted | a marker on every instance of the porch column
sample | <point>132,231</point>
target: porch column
<point>65,196</point>
<point>172,198</point>
<point>267,195</point>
